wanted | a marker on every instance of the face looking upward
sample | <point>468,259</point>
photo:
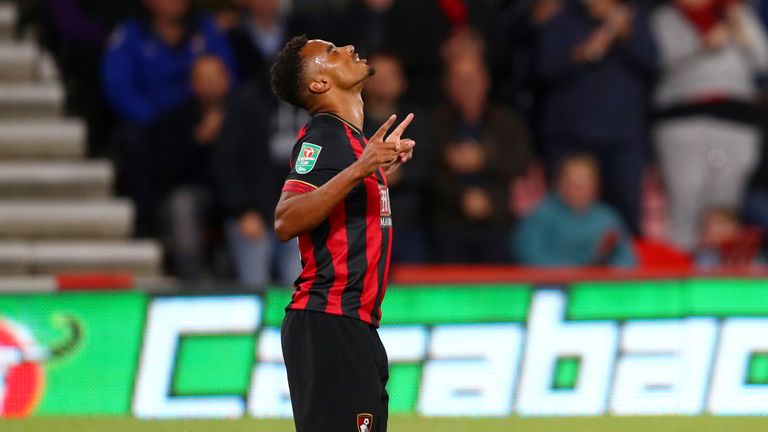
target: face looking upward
<point>328,67</point>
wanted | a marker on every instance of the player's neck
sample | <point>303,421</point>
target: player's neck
<point>347,106</point>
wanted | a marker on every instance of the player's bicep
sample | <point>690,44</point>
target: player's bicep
<point>295,187</point>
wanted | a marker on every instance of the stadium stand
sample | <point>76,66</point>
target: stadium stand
<point>57,215</point>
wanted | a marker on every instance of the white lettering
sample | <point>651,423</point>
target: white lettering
<point>665,367</point>
<point>471,371</point>
<point>594,343</point>
<point>168,319</point>
<point>731,395</point>
<point>269,395</point>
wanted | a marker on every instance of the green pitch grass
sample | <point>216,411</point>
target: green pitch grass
<point>408,424</point>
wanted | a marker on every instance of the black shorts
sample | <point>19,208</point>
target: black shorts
<point>337,373</point>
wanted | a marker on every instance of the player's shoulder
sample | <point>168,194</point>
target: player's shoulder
<point>327,133</point>
<point>327,126</point>
<point>331,135</point>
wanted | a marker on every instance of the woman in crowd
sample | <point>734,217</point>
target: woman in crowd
<point>707,139</point>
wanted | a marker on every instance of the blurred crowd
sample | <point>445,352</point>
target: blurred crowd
<point>549,132</point>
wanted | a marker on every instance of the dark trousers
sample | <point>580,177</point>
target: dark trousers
<point>135,175</point>
<point>337,373</point>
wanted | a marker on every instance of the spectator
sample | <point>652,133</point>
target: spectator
<point>464,41</point>
<point>420,54</point>
<point>571,227</point>
<point>76,32</point>
<point>180,146</point>
<point>595,59</point>
<point>147,65</point>
<point>724,242</point>
<point>258,36</point>
<point>755,205</point>
<point>415,31</point>
<point>408,187</point>
<point>262,31</point>
<point>249,178</point>
<point>519,26</point>
<point>145,74</point>
<point>706,135</point>
<point>368,25</point>
<point>480,148</point>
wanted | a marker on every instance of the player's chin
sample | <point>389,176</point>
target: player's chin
<point>371,70</point>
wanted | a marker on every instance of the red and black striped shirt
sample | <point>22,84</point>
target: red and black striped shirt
<point>345,259</point>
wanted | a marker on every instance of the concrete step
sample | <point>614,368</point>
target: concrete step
<point>8,16</point>
<point>42,139</point>
<point>56,179</point>
<point>14,258</point>
<point>19,61</point>
<point>35,100</point>
<point>70,219</point>
<point>142,258</point>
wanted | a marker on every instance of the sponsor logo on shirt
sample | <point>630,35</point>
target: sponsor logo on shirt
<point>386,210</point>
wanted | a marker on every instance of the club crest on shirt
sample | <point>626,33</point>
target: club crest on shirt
<point>307,157</point>
<point>386,210</point>
<point>364,422</point>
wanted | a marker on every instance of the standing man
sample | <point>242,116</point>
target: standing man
<point>336,202</point>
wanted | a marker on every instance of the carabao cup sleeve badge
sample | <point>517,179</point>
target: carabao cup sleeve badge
<point>307,158</point>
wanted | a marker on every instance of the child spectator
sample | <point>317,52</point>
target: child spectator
<point>571,228</point>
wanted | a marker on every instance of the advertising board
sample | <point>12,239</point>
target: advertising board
<point>687,347</point>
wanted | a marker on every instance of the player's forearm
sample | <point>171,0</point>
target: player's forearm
<point>297,214</point>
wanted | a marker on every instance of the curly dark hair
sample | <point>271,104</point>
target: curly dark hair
<point>288,72</point>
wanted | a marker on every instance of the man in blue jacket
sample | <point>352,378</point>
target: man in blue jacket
<point>146,73</point>
<point>595,60</point>
<point>147,65</point>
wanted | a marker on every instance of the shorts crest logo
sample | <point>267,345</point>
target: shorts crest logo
<point>307,157</point>
<point>364,422</point>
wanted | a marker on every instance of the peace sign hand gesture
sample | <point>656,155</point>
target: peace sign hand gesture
<point>389,152</point>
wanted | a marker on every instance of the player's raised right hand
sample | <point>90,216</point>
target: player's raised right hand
<point>380,151</point>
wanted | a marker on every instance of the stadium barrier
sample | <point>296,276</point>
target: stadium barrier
<point>685,345</point>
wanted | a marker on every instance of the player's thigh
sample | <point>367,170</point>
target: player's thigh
<point>334,377</point>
